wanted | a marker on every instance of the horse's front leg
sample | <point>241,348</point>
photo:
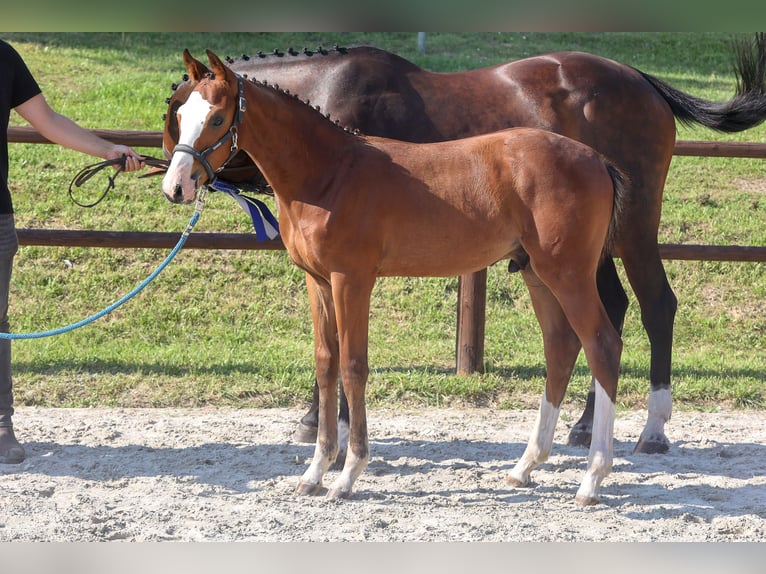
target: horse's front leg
<point>326,359</point>
<point>351,296</point>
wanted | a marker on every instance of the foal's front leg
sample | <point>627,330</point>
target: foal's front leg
<point>326,359</point>
<point>351,295</point>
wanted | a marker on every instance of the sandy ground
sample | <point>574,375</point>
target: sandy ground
<point>434,475</point>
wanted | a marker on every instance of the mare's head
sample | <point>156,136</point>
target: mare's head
<point>207,124</point>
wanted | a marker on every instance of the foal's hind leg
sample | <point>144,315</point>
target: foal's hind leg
<point>574,287</point>
<point>602,345</point>
<point>561,347</point>
<point>615,302</point>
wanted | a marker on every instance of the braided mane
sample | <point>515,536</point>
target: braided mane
<point>305,52</point>
<point>290,52</point>
<point>307,103</point>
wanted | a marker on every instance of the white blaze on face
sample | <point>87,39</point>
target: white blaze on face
<point>192,116</point>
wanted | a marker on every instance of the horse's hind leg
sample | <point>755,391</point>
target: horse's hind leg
<point>307,426</point>
<point>561,347</point>
<point>603,347</point>
<point>646,273</point>
<point>615,302</point>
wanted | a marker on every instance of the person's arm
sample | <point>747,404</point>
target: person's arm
<point>63,131</point>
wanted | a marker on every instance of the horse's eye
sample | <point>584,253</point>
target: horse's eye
<point>217,121</point>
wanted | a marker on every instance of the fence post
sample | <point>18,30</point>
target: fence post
<point>421,42</point>
<point>471,307</point>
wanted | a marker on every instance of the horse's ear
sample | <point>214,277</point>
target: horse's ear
<point>216,65</point>
<point>197,70</point>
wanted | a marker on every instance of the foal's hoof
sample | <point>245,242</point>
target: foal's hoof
<point>308,488</point>
<point>655,444</point>
<point>515,482</point>
<point>582,500</point>
<point>305,433</point>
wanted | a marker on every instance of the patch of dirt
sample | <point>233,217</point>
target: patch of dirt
<point>753,185</point>
<point>435,475</point>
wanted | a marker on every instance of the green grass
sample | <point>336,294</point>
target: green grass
<point>232,328</point>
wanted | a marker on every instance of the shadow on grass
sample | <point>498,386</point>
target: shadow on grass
<point>523,372</point>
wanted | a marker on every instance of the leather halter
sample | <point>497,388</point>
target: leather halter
<point>201,156</point>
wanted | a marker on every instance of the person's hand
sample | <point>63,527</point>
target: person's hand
<point>133,161</point>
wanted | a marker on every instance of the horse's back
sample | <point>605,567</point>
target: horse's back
<point>493,188</point>
<point>583,96</point>
<point>504,158</point>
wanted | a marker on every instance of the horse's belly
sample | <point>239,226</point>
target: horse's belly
<point>441,260</point>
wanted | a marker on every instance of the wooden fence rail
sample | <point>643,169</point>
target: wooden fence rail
<point>469,347</point>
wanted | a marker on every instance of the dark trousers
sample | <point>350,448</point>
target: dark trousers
<point>9,244</point>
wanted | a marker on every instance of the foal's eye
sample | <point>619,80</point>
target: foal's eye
<point>216,121</point>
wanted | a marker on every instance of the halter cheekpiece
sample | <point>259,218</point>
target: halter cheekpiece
<point>201,156</point>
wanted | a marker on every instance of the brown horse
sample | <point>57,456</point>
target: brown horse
<point>625,114</point>
<point>353,208</point>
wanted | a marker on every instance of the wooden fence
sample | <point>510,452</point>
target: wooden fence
<point>472,290</point>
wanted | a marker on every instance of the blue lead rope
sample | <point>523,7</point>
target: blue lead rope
<point>264,223</point>
<point>127,297</point>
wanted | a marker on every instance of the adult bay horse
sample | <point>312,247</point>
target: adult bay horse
<point>354,208</point>
<point>625,114</point>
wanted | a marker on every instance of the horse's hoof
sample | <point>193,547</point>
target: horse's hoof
<point>308,488</point>
<point>338,494</point>
<point>579,436</point>
<point>653,445</point>
<point>340,461</point>
<point>514,482</point>
<point>305,433</point>
<point>582,500</point>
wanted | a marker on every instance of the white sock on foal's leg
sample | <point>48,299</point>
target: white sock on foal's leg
<point>539,446</point>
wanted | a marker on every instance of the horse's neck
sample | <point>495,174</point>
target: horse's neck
<point>293,72</point>
<point>292,144</point>
<point>322,77</point>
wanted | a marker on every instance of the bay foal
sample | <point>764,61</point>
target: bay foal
<point>354,208</point>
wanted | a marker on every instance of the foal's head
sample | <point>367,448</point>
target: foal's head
<point>207,125</point>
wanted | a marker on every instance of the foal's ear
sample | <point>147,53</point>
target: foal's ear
<point>197,70</point>
<point>216,65</point>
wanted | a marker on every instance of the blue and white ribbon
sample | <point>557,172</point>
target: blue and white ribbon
<point>265,224</point>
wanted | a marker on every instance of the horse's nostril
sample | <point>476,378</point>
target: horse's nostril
<point>178,194</point>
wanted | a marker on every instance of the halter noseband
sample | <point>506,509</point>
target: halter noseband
<point>201,156</point>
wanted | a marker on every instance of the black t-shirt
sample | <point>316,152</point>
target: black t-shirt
<point>17,85</point>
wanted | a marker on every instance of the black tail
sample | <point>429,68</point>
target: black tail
<point>745,110</point>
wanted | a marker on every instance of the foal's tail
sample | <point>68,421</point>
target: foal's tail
<point>619,183</point>
<point>745,110</point>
